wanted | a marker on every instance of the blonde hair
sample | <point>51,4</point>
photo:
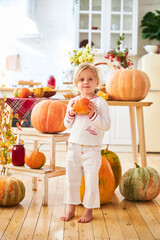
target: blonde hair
<point>82,67</point>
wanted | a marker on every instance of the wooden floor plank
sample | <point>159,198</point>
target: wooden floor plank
<point>43,224</point>
<point>56,230</point>
<point>5,219</point>
<point>154,208</point>
<point>29,225</point>
<point>138,221</point>
<point>125,223</point>
<point>157,199</point>
<point>149,219</point>
<point>114,230</point>
<point>99,226</point>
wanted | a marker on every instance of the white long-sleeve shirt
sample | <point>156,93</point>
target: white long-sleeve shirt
<point>86,130</point>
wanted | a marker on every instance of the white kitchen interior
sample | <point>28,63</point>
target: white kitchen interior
<point>36,55</point>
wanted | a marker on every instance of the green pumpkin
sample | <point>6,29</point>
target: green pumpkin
<point>12,191</point>
<point>115,164</point>
<point>140,183</point>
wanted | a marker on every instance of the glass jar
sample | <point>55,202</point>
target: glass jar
<point>18,155</point>
<point>51,82</point>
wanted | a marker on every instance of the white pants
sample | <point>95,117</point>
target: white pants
<point>82,159</point>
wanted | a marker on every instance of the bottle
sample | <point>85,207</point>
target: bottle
<point>51,82</point>
<point>18,155</point>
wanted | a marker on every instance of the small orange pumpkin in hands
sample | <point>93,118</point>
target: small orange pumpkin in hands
<point>24,92</point>
<point>35,159</point>
<point>81,106</point>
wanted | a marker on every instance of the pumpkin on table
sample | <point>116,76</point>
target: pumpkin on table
<point>24,93</point>
<point>12,191</point>
<point>115,164</point>
<point>48,116</point>
<point>140,183</point>
<point>128,85</point>
<point>35,159</point>
<point>106,183</point>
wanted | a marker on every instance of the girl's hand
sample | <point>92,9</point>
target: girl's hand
<point>91,109</point>
<point>72,112</point>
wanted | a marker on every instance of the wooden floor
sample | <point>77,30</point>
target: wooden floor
<point>119,219</point>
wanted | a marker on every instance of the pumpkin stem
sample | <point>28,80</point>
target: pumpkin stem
<point>39,147</point>
<point>107,148</point>
<point>106,63</point>
<point>137,166</point>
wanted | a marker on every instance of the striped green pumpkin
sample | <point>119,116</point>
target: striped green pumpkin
<point>12,191</point>
<point>115,164</point>
<point>140,183</point>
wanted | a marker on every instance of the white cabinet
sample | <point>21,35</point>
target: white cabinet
<point>101,22</point>
<point>120,133</point>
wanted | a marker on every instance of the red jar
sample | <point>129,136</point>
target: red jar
<point>51,82</point>
<point>18,155</point>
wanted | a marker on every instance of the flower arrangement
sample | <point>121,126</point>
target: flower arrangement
<point>83,55</point>
<point>7,138</point>
<point>121,57</point>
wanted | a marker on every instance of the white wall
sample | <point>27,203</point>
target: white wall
<point>38,58</point>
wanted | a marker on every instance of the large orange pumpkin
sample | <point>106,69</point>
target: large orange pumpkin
<point>48,116</point>
<point>81,105</point>
<point>115,164</point>
<point>12,191</point>
<point>106,183</point>
<point>128,85</point>
<point>24,93</point>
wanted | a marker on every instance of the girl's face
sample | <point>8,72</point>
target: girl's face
<point>87,83</point>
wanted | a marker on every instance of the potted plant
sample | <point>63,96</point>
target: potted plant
<point>151,28</point>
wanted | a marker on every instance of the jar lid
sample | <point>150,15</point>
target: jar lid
<point>18,145</point>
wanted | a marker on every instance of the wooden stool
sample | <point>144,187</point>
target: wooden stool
<point>46,171</point>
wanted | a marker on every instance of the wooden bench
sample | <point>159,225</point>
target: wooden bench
<point>47,171</point>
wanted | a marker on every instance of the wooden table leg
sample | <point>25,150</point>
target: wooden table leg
<point>53,154</point>
<point>34,179</point>
<point>34,183</point>
<point>140,122</point>
<point>133,133</point>
<point>45,192</point>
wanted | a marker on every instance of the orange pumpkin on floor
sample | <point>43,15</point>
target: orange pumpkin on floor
<point>128,85</point>
<point>12,191</point>
<point>35,159</point>
<point>106,183</point>
<point>81,105</point>
<point>48,116</point>
<point>24,92</point>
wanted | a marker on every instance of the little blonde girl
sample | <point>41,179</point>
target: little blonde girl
<point>84,149</point>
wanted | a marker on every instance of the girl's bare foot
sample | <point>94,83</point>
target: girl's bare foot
<point>69,214</point>
<point>86,217</point>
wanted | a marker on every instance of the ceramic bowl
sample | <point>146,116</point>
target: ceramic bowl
<point>151,48</point>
